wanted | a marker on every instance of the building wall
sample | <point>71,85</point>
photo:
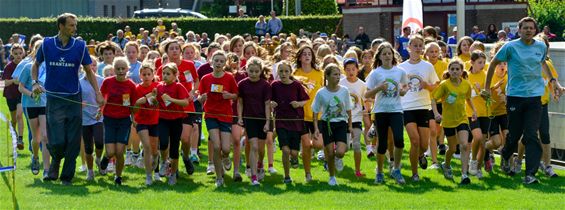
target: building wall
<point>42,8</point>
<point>153,4</point>
<point>103,8</point>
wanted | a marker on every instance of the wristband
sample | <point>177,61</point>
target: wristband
<point>552,80</point>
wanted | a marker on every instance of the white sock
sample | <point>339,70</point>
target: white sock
<point>193,151</point>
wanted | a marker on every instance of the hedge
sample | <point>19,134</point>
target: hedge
<point>99,28</point>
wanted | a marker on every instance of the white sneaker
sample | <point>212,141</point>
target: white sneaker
<point>227,164</point>
<point>260,174</point>
<point>339,164</point>
<point>149,180</point>
<point>321,156</point>
<point>434,166</point>
<point>479,174</point>
<point>173,179</point>
<point>140,162</point>
<point>156,177</point>
<point>308,177</point>
<point>210,170</point>
<point>457,156</point>
<point>272,170</point>
<point>82,168</point>
<point>333,181</point>
<point>255,182</point>
<point>111,167</point>
<point>164,168</point>
<point>248,172</point>
<point>517,165</point>
<point>473,166</point>
<point>219,182</point>
<point>129,158</point>
<point>90,175</point>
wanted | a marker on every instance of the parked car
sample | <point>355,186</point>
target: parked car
<point>160,12</point>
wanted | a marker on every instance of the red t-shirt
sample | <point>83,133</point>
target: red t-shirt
<point>187,77</point>
<point>10,91</point>
<point>118,95</point>
<point>176,91</point>
<point>147,114</point>
<point>254,95</point>
<point>215,105</point>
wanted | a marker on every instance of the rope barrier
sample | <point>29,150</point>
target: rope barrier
<point>11,134</point>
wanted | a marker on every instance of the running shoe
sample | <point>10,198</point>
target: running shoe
<point>549,172</point>
<point>111,167</point>
<point>164,168</point>
<point>189,166</point>
<point>219,182</point>
<point>156,177</point>
<point>488,164</point>
<point>473,167</point>
<point>423,162</point>
<point>210,170</point>
<point>294,162</point>
<point>172,179</point>
<point>227,164</point>
<point>332,181</point>
<point>529,179</point>
<point>479,174</point>
<point>287,180</point>
<point>237,177</point>
<point>465,179</point>
<point>506,166</point>
<point>45,174</point>
<point>118,180</point>
<point>517,165</point>
<point>82,168</point>
<point>380,178</point>
<point>90,175</point>
<point>255,182</point>
<point>139,163</point>
<point>308,177</point>
<point>415,178</point>
<point>321,156</point>
<point>194,158</point>
<point>260,174</point>
<point>129,158</point>
<point>398,176</point>
<point>358,174</point>
<point>434,166</point>
<point>272,170</point>
<point>148,180</point>
<point>35,165</point>
<point>339,164</point>
<point>447,173</point>
<point>20,143</point>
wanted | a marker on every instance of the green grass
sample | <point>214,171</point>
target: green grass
<point>198,191</point>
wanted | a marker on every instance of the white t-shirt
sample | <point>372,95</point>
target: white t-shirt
<point>389,100</point>
<point>357,96</point>
<point>332,105</point>
<point>416,97</point>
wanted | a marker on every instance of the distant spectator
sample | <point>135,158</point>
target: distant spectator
<point>548,33</point>
<point>190,37</point>
<point>120,39</point>
<point>274,26</point>
<point>241,14</point>
<point>508,33</point>
<point>492,33</point>
<point>478,35</point>
<point>502,37</point>
<point>145,39</point>
<point>431,32</point>
<point>140,34</point>
<point>261,26</point>
<point>452,40</point>
<point>401,43</point>
<point>362,39</point>
<point>127,32</point>
<point>204,40</point>
<point>3,61</point>
<point>160,29</point>
<point>175,28</point>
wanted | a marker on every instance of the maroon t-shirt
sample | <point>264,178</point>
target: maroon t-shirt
<point>239,75</point>
<point>283,94</point>
<point>254,95</point>
<point>204,69</point>
<point>10,91</point>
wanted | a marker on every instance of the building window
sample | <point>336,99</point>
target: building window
<point>113,10</point>
<point>128,11</point>
<point>105,10</point>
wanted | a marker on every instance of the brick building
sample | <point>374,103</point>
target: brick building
<point>382,18</point>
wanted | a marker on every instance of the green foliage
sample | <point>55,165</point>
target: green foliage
<point>219,8</point>
<point>313,7</point>
<point>551,13</point>
<point>99,28</point>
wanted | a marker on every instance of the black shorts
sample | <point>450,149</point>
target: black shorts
<point>453,131</point>
<point>93,136</point>
<point>307,128</point>
<point>356,125</point>
<point>34,112</point>
<point>254,128</point>
<point>421,117</point>
<point>336,132</point>
<point>288,138</point>
<point>481,122</point>
<point>498,123</point>
<point>116,130</point>
<point>190,119</point>
<point>213,123</point>
<point>152,129</point>
<point>13,103</point>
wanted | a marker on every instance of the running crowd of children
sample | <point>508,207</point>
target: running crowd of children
<point>317,102</point>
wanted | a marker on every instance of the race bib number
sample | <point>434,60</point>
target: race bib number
<point>473,93</point>
<point>216,88</point>
<point>125,100</point>
<point>451,98</point>
<point>188,76</point>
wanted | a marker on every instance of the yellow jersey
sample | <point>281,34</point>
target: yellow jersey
<point>312,82</point>
<point>464,57</point>
<point>454,97</point>
<point>545,98</point>
<point>498,95</point>
<point>477,83</point>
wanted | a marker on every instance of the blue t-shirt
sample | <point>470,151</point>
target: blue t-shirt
<point>100,69</point>
<point>133,72</point>
<point>62,64</point>
<point>403,46</point>
<point>20,68</point>
<point>524,67</point>
<point>89,97</point>
<point>25,79</point>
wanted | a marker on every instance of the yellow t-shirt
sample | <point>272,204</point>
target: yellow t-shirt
<point>161,30</point>
<point>454,97</point>
<point>440,66</point>
<point>128,34</point>
<point>312,82</point>
<point>477,83</point>
<point>139,36</point>
<point>545,98</point>
<point>464,57</point>
<point>498,95</point>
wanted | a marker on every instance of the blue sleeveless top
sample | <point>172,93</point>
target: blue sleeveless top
<point>62,64</point>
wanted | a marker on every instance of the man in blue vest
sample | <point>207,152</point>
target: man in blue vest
<point>63,56</point>
<point>526,61</point>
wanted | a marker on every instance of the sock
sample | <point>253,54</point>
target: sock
<point>254,177</point>
<point>270,165</point>
<point>193,151</point>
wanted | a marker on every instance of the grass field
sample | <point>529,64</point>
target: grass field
<point>495,191</point>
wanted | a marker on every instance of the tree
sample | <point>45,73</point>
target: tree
<point>550,13</point>
<point>312,7</point>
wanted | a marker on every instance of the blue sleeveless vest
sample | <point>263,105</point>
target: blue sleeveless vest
<point>62,65</point>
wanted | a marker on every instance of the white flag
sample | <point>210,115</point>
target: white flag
<point>412,15</point>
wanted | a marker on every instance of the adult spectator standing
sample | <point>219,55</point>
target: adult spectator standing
<point>478,35</point>
<point>145,39</point>
<point>526,61</point>
<point>401,43</point>
<point>241,14</point>
<point>63,56</point>
<point>492,33</point>
<point>452,40</point>
<point>548,33</point>
<point>362,39</point>
<point>274,25</point>
<point>261,26</point>
<point>175,28</point>
<point>140,34</point>
<point>204,41</point>
<point>120,39</point>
